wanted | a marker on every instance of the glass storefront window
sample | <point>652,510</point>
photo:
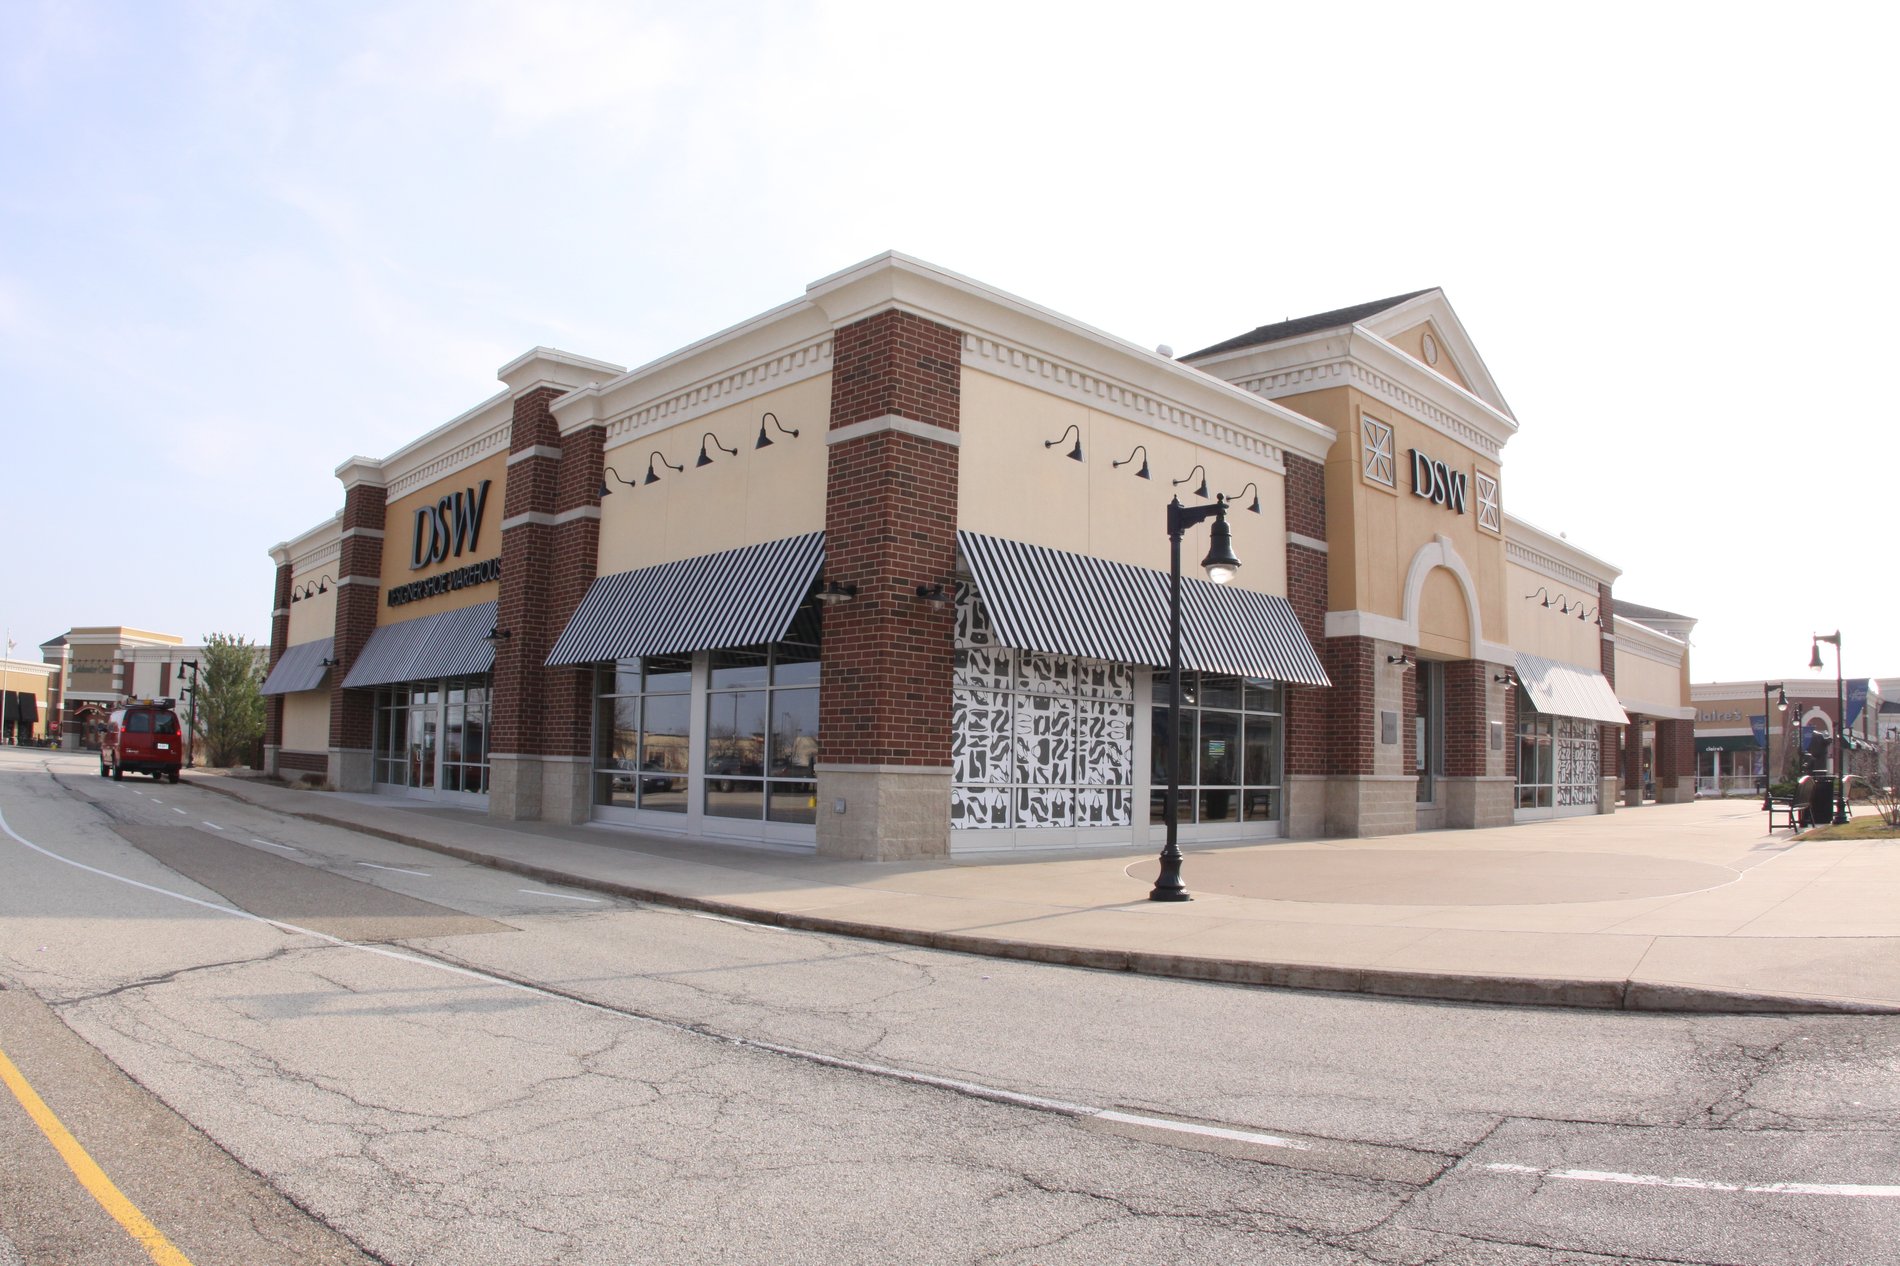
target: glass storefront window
<point>762,743</point>
<point>433,735</point>
<point>1229,756</point>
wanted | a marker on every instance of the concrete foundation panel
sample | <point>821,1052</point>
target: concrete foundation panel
<point>889,814</point>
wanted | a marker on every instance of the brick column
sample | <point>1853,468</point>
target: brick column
<point>1308,730</point>
<point>279,641</point>
<point>890,525</point>
<point>358,602</point>
<point>541,719</point>
<point>1675,761</point>
<point>1479,790</point>
<point>1609,737</point>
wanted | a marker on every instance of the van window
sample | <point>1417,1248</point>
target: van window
<point>138,723</point>
<point>167,723</point>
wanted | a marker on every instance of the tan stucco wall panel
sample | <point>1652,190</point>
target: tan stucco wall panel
<point>307,721</point>
<point>1444,622</point>
<point>1011,486</point>
<point>1412,343</point>
<point>1639,678</point>
<point>1546,631</point>
<point>314,617</point>
<point>763,494</point>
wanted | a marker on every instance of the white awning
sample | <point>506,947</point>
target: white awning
<point>450,644</point>
<point>737,597</point>
<point>300,667</point>
<point>1050,600</point>
<point>1566,690</point>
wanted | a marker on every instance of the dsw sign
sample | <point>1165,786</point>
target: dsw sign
<point>1439,483</point>
<point>448,527</point>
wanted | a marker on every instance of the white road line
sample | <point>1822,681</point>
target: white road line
<point>1705,1184</point>
<point>267,844</point>
<point>1205,1131</point>
<point>536,892</point>
<point>397,869</point>
<point>177,810</point>
<point>213,825</point>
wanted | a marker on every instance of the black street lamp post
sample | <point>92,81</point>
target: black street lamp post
<point>1840,720</point>
<point>189,667</point>
<point>1767,742</point>
<point>1220,565</point>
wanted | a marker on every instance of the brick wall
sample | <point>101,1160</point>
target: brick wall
<point>1609,737</point>
<point>1675,753</point>
<point>1307,729</point>
<point>890,525</point>
<point>533,570</point>
<point>1467,733</point>
<point>279,642</point>
<point>358,599</point>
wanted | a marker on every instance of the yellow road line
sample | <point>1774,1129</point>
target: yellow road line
<point>90,1176</point>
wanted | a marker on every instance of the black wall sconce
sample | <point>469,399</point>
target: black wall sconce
<point>1403,659</point>
<point>328,663</point>
<point>1585,615</point>
<point>1548,600</point>
<point>765,441</point>
<point>704,459</point>
<point>935,593</point>
<point>1075,454</point>
<point>605,491</point>
<point>1143,472</point>
<point>832,591</point>
<point>1504,679</point>
<point>497,634</point>
<point>652,475</point>
<point>1189,477</point>
<point>312,588</point>
<point>1255,507</point>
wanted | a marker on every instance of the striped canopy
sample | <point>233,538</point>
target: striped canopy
<point>1569,691</point>
<point>300,667</point>
<point>451,644</point>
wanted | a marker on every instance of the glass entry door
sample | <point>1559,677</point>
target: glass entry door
<point>432,738</point>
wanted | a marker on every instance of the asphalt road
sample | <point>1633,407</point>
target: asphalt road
<point>333,1044</point>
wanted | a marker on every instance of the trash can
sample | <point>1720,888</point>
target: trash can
<point>1821,800</point>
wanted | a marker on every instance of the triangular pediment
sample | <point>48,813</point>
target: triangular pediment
<point>1425,328</point>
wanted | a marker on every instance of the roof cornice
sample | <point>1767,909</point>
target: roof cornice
<point>1552,555</point>
<point>1355,356</point>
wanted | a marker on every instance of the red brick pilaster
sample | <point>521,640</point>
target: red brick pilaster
<point>1675,753</point>
<point>567,727</point>
<point>890,525</point>
<point>1307,728</point>
<point>1609,737</point>
<point>525,609</point>
<point>1350,707</point>
<point>359,593</point>
<point>279,642</point>
<point>1467,732</point>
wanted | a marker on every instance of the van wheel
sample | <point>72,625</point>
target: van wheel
<point>102,765</point>
<point>174,777</point>
<point>118,772</point>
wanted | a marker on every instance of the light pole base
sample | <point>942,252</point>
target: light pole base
<point>1158,893</point>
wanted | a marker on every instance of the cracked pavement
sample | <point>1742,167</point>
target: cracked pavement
<point>431,1117</point>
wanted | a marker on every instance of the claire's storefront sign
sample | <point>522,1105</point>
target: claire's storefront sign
<point>444,531</point>
<point>1438,483</point>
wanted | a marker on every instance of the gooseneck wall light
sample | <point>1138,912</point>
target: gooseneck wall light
<point>1201,490</point>
<point>653,476</point>
<point>1220,565</point>
<point>704,458</point>
<point>605,491</point>
<point>1143,450</point>
<point>765,441</point>
<point>1253,488</point>
<point>312,588</point>
<point>1075,454</point>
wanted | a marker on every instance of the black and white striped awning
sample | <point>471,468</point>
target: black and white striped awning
<point>1050,600</point>
<point>301,667</point>
<point>737,597</point>
<point>1569,691</point>
<point>451,644</point>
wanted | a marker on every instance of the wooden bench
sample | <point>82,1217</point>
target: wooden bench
<point>1780,807</point>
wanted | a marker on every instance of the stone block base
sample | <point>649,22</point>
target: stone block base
<point>1361,805</point>
<point>1682,793</point>
<point>891,812</point>
<point>514,787</point>
<point>1606,795</point>
<point>1305,806</point>
<point>1632,797</point>
<point>1478,802</point>
<point>352,769</point>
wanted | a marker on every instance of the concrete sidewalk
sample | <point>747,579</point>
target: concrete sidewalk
<point>1669,907</point>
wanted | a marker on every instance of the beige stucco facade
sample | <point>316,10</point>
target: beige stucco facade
<point>415,519</point>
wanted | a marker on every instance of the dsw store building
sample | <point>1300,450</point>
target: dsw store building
<point>883,573</point>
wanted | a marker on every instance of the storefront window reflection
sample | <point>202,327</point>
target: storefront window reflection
<point>1230,749</point>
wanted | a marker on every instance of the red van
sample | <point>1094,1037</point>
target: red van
<point>144,738</point>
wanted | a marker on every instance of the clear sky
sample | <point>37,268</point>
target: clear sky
<point>242,242</point>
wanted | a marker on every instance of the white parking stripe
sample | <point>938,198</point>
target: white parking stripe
<point>213,825</point>
<point>267,844</point>
<point>177,810</point>
<point>1705,1184</point>
<point>397,869</point>
<point>536,892</point>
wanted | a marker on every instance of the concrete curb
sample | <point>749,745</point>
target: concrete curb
<point>1606,994</point>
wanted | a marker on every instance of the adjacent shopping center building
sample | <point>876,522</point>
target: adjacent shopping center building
<point>882,573</point>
